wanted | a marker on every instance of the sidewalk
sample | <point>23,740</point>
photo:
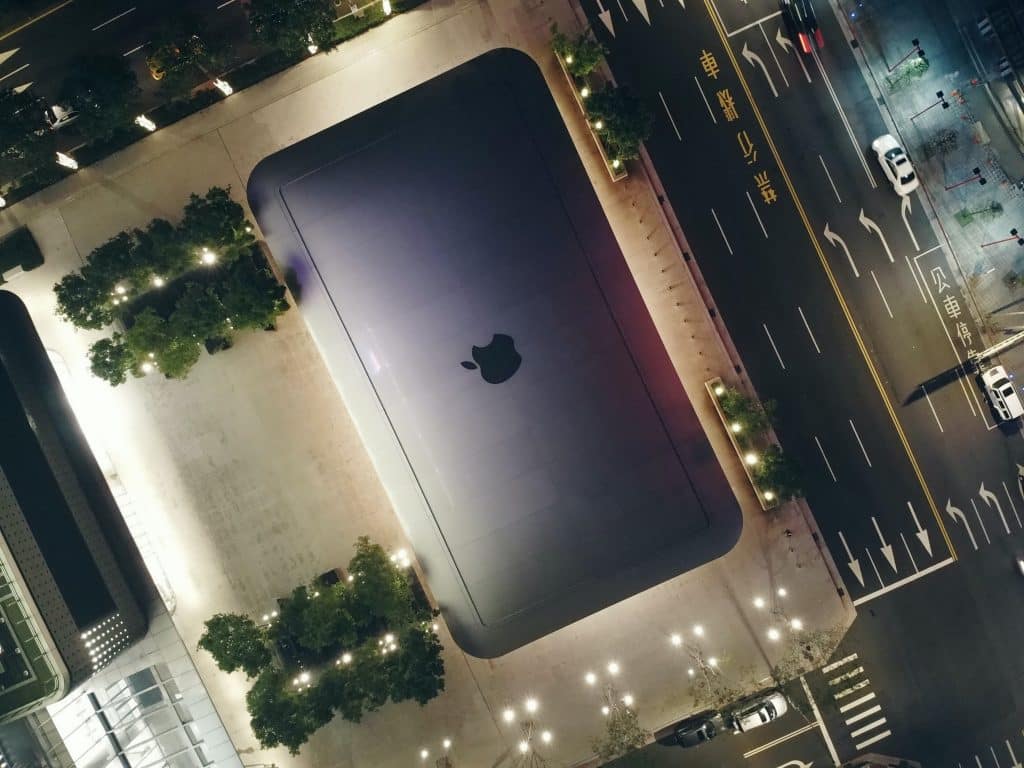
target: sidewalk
<point>252,475</point>
<point>977,130</point>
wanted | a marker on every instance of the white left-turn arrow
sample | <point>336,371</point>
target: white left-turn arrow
<point>870,226</point>
<point>886,548</point>
<point>755,60</point>
<point>990,498</point>
<point>784,42</point>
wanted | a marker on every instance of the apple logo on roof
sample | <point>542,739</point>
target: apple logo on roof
<point>498,361</point>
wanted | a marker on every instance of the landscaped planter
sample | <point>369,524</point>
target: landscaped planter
<point>747,456</point>
<point>616,174</point>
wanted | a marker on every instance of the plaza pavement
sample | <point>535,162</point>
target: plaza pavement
<point>250,477</point>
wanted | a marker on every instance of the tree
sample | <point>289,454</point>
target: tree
<point>623,732</point>
<point>199,314</point>
<point>217,222</point>
<point>806,650</point>
<point>627,122</point>
<point>153,338</point>
<point>27,142</point>
<point>235,642</point>
<point>753,417</point>
<point>252,296</point>
<point>778,473</point>
<point>326,622</point>
<point>417,669</point>
<point>381,597</point>
<point>112,262</point>
<point>111,360</point>
<point>710,688</point>
<point>181,54</point>
<point>160,248</point>
<point>581,55</point>
<point>82,302</point>
<point>292,24</point>
<point>279,715</point>
<point>104,91</point>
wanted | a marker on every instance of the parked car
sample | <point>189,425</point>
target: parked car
<point>1002,394</point>
<point>896,165</point>
<point>757,712</point>
<point>693,733</point>
<point>57,116</point>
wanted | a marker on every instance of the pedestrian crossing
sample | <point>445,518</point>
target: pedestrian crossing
<point>859,708</point>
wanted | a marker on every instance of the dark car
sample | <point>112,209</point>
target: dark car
<point>794,20</point>
<point>695,732</point>
<point>811,23</point>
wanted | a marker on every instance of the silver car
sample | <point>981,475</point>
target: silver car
<point>758,712</point>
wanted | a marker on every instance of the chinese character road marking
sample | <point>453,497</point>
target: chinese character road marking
<point>964,334</point>
<point>766,188</point>
<point>939,279</point>
<point>952,306</point>
<point>709,64</point>
<point>747,147</point>
<point>728,105</point>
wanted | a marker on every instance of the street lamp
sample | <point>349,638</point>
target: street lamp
<point>1014,235</point>
<point>941,100</point>
<point>975,177</point>
<point>915,48</point>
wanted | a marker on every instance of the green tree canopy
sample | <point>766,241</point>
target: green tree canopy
<point>252,296</point>
<point>627,121</point>
<point>199,314</point>
<point>235,642</point>
<point>26,141</point>
<point>326,621</point>
<point>111,359</point>
<point>291,24</point>
<point>381,596</point>
<point>83,302</point>
<point>778,473</point>
<point>279,715</point>
<point>581,54</point>
<point>217,222</point>
<point>417,669</point>
<point>104,91</point>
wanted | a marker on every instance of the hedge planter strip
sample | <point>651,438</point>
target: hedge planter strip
<point>748,457</point>
<point>615,173</point>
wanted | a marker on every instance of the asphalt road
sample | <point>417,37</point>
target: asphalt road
<point>845,310</point>
<point>40,52</point>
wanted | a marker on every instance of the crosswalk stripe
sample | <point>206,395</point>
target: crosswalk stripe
<point>846,676</point>
<point>873,739</point>
<point>852,689</point>
<point>869,727</point>
<point>856,703</point>
<point>866,713</point>
<point>837,664</point>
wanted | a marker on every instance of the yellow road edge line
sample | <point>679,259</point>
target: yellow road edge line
<point>831,279</point>
<point>34,19</point>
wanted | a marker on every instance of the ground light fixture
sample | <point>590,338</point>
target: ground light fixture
<point>773,634</point>
<point>144,122</point>
<point>207,257</point>
<point>3,203</point>
<point>719,390</point>
<point>616,163</point>
<point>386,6</point>
<point>312,47</point>
<point>598,125</point>
<point>590,678</point>
<point>584,92</point>
<point>796,624</point>
<point>223,86</point>
<point>613,668</point>
<point>769,495</point>
<point>67,161</point>
<point>568,58</point>
<point>158,281</point>
<point>750,458</point>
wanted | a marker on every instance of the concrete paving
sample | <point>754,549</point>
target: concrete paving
<point>250,476</point>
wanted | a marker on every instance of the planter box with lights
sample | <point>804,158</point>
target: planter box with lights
<point>748,457</point>
<point>616,168</point>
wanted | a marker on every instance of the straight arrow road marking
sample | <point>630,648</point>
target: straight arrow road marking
<point>959,516</point>
<point>7,54</point>
<point>641,5</point>
<point>606,18</point>
<point>870,226</point>
<point>1012,756</point>
<point>886,548</point>
<point>837,241</point>
<point>859,574</point>
<point>755,61</point>
<point>905,212</point>
<point>922,534</point>
<point>990,498</point>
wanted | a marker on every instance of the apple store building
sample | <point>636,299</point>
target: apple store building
<point>473,306</point>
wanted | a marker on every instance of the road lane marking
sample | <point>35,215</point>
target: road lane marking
<point>840,298</point>
<point>771,48</point>
<point>229,2</point>
<point>838,664</point>
<point>821,721</point>
<point>745,27</point>
<point>834,190</point>
<point>34,19</point>
<point>907,547</point>
<point>856,702</point>
<point>792,735</point>
<point>857,150</point>
<point>846,676</point>
<point>879,287</point>
<point>869,727</point>
<point>757,215</point>
<point>1013,507</point>
<point>706,104</point>
<point>902,582</point>
<point>665,105</point>
<point>865,714</point>
<point>875,567</point>
<point>860,442</point>
<point>810,333</point>
<point>722,231</point>
<point>136,48</point>
<point>763,325</point>
<point>905,212</point>
<point>993,751</point>
<point>873,739</point>
<point>112,20</point>
<point>11,74</point>
<point>981,522</point>
<point>929,401</point>
<point>827,462</point>
<point>917,282</point>
<point>852,689</point>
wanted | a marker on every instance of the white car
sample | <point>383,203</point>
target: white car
<point>1002,394</point>
<point>895,164</point>
<point>758,712</point>
<point>57,116</point>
